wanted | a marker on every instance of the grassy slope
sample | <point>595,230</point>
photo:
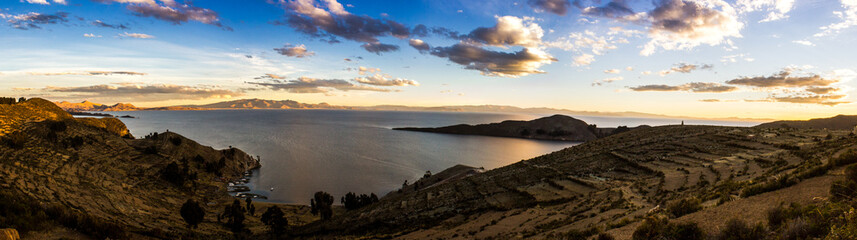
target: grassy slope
<point>605,183</point>
<point>92,171</point>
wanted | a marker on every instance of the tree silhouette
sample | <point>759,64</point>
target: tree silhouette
<point>351,201</point>
<point>275,219</point>
<point>321,205</point>
<point>234,215</point>
<point>192,213</point>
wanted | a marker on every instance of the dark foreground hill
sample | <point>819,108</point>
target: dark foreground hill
<point>556,127</point>
<point>612,184</point>
<point>839,122</point>
<point>84,178</point>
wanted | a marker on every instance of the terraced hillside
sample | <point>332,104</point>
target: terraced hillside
<point>601,185</point>
<point>92,177</point>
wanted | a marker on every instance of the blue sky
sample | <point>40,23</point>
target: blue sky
<point>706,58</point>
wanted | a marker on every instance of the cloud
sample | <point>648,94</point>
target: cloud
<point>334,21</point>
<point>33,20</point>
<point>735,57</point>
<point>314,85</point>
<point>364,70</point>
<point>616,9</point>
<point>170,11</point>
<point>783,79</point>
<point>828,100</point>
<point>419,45</point>
<point>90,73</point>
<point>848,17</point>
<point>685,68</point>
<point>294,51</point>
<point>156,92</point>
<point>99,23</point>
<point>804,42</point>
<point>710,100</point>
<point>583,60</point>
<point>777,9</point>
<point>684,24</point>
<point>587,40</point>
<point>558,7</point>
<point>90,35</point>
<point>606,80</point>
<point>378,48</point>
<point>45,2</point>
<point>509,31</point>
<point>491,63</point>
<point>385,80</point>
<point>136,35</point>
<point>699,87</point>
<point>612,71</point>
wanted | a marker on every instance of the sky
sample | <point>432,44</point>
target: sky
<point>777,59</point>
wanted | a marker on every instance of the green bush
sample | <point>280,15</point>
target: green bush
<point>776,184</point>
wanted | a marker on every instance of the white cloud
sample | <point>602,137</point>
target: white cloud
<point>777,9</point>
<point>848,16</point>
<point>612,71</point>
<point>136,35</point>
<point>804,42</point>
<point>583,60</point>
<point>90,35</point>
<point>682,25</point>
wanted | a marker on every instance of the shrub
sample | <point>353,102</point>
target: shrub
<point>176,141</point>
<point>739,230</point>
<point>684,206</point>
<point>604,236</point>
<point>661,228</point>
<point>778,183</point>
<point>777,216</point>
<point>796,229</point>
<point>173,174</point>
<point>352,201</point>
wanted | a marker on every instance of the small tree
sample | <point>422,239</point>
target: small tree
<point>192,213</point>
<point>275,219</point>
<point>322,205</point>
<point>234,216</point>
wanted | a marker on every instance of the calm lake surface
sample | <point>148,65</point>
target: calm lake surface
<point>340,151</point>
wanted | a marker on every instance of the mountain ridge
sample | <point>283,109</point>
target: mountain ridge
<point>291,104</point>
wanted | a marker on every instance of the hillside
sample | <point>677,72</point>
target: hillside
<point>839,122</point>
<point>89,177</point>
<point>609,183</point>
<point>556,127</point>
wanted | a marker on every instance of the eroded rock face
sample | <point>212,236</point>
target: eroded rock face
<point>86,166</point>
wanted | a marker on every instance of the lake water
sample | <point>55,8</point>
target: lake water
<point>340,151</point>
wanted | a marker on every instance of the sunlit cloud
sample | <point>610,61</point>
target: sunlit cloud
<point>87,73</point>
<point>699,87</point>
<point>685,68</point>
<point>34,20</point>
<point>558,7</point>
<point>334,21</point>
<point>681,25</point>
<point>298,51</point>
<point>171,11</point>
<point>492,63</point>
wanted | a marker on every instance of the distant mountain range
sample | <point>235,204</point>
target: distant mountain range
<point>290,104</point>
